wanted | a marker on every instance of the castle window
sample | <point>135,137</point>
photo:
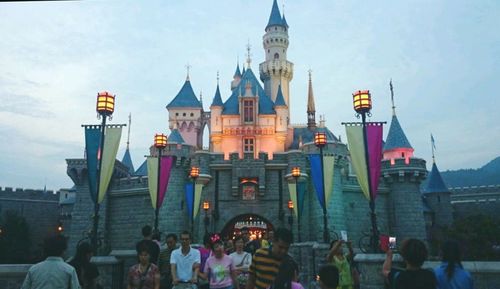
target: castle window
<point>276,56</point>
<point>248,111</point>
<point>248,145</point>
<point>176,114</point>
<point>184,114</point>
<point>192,114</point>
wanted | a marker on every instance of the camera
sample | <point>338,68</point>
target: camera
<point>392,243</point>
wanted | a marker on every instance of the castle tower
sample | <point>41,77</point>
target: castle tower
<point>236,77</point>
<point>216,119</point>
<point>403,174</point>
<point>281,113</point>
<point>276,70</point>
<point>311,109</point>
<point>185,112</point>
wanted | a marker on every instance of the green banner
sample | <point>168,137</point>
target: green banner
<point>358,159</point>
<point>111,144</point>
<point>197,198</point>
<point>328,163</point>
<point>152,163</point>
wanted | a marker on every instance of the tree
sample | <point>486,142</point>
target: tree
<point>15,242</point>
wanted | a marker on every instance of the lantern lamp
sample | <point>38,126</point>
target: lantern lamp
<point>206,206</point>
<point>195,172</point>
<point>362,101</point>
<point>160,141</point>
<point>290,204</point>
<point>296,172</point>
<point>105,103</point>
<point>320,139</point>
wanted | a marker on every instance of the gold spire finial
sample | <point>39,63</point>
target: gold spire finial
<point>217,77</point>
<point>249,59</point>
<point>187,69</point>
<point>392,98</point>
<point>129,123</point>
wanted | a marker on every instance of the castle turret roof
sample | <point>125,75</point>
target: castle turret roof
<point>175,137</point>
<point>217,98</point>
<point>435,183</point>
<point>280,99</point>
<point>283,21</point>
<point>142,170</point>
<point>237,73</point>
<point>127,161</point>
<point>185,97</point>
<point>396,138</point>
<point>275,17</point>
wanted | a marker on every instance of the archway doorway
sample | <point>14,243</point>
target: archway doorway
<point>256,226</point>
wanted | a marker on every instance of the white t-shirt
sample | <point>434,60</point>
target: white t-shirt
<point>184,263</point>
<point>237,258</point>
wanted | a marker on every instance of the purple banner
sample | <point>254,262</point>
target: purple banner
<point>166,168</point>
<point>374,133</point>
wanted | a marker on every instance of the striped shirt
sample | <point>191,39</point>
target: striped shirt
<point>264,267</point>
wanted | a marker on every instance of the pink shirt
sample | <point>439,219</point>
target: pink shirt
<point>219,271</point>
<point>297,285</point>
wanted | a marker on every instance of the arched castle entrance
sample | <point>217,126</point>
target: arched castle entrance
<point>256,225</point>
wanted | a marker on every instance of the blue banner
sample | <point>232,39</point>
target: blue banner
<point>190,199</point>
<point>317,177</point>
<point>301,187</point>
<point>92,141</point>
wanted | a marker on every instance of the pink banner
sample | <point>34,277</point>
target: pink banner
<point>166,168</point>
<point>374,138</point>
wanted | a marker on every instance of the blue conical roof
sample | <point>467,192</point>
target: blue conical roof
<point>217,98</point>
<point>266,105</point>
<point>275,17</point>
<point>283,21</point>
<point>280,100</point>
<point>142,170</point>
<point>175,137</point>
<point>435,183</point>
<point>185,97</point>
<point>396,138</point>
<point>237,73</point>
<point>127,160</point>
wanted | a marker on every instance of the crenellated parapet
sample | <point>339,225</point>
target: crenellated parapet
<point>401,171</point>
<point>77,170</point>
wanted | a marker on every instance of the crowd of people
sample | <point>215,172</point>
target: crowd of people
<point>241,263</point>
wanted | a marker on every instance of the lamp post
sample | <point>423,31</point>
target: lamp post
<point>193,174</point>
<point>206,207</point>
<point>290,217</point>
<point>296,176</point>
<point>362,104</point>
<point>105,107</point>
<point>320,142</point>
<point>160,142</point>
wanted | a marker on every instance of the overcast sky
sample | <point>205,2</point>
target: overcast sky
<point>443,57</point>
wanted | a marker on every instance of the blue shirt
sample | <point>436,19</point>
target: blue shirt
<point>53,273</point>
<point>461,279</point>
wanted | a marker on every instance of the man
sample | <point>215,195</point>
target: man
<point>154,249</point>
<point>267,261</point>
<point>185,264</point>
<point>250,245</point>
<point>328,277</point>
<point>53,273</point>
<point>165,271</point>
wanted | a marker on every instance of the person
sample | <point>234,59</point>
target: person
<point>229,245</point>
<point>145,274</point>
<point>205,252</point>
<point>164,261</point>
<point>219,268</point>
<point>154,249</point>
<point>342,262</point>
<point>295,278</point>
<point>250,245</point>
<point>185,264</point>
<point>52,273</point>
<point>266,261</point>
<point>87,272</point>
<point>328,277</point>
<point>287,275</point>
<point>242,261</point>
<point>264,242</point>
<point>450,274</point>
<point>414,254</point>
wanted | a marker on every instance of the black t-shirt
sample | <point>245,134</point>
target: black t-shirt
<point>86,273</point>
<point>412,279</point>
<point>154,250</point>
<point>252,246</point>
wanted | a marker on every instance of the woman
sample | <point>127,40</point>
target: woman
<point>144,275</point>
<point>219,269</point>
<point>414,254</point>
<point>87,272</point>
<point>450,274</point>
<point>342,262</point>
<point>241,261</point>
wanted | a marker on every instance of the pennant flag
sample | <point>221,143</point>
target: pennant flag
<point>317,172</point>
<point>111,143</point>
<point>189,199</point>
<point>358,156</point>
<point>92,140</point>
<point>197,198</point>
<point>433,142</point>
<point>166,167</point>
<point>193,202</point>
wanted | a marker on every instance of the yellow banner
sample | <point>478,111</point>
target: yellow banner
<point>111,144</point>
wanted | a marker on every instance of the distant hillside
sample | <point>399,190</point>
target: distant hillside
<point>489,174</point>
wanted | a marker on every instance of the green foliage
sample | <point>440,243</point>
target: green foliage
<point>479,236</point>
<point>15,242</point>
<point>489,174</point>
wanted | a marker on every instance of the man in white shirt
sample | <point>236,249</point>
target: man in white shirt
<point>185,264</point>
<point>53,273</point>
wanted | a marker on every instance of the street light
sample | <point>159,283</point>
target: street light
<point>320,142</point>
<point>362,103</point>
<point>193,174</point>
<point>206,207</point>
<point>296,176</point>
<point>290,217</point>
<point>105,107</point>
<point>160,142</point>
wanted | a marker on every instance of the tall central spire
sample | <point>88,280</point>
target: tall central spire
<point>392,98</point>
<point>249,55</point>
<point>311,108</point>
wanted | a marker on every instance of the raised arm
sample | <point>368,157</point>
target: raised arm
<point>331,253</point>
<point>386,268</point>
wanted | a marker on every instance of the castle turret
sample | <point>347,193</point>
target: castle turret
<point>276,70</point>
<point>403,174</point>
<point>127,160</point>
<point>236,77</point>
<point>185,112</point>
<point>216,120</point>
<point>281,112</point>
<point>311,108</point>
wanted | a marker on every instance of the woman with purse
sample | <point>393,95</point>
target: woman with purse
<point>241,261</point>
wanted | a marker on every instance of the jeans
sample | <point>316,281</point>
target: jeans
<point>185,286</point>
